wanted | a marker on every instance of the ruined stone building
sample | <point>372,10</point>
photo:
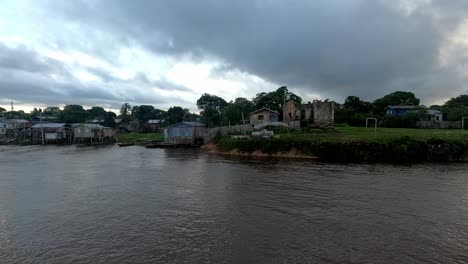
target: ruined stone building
<point>318,112</point>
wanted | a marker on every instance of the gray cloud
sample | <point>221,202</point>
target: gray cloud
<point>363,47</point>
<point>330,47</point>
<point>23,59</point>
<point>27,77</point>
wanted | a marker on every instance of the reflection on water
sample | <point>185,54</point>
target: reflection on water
<point>134,205</point>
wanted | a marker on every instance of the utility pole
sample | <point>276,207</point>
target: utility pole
<point>12,108</point>
<point>243,122</point>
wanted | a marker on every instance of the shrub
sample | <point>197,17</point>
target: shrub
<point>404,149</point>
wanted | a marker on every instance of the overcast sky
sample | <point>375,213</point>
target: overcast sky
<point>167,53</point>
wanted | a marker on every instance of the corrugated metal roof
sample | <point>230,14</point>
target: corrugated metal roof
<point>191,124</point>
<point>13,121</point>
<point>404,107</point>
<point>88,125</point>
<point>49,125</point>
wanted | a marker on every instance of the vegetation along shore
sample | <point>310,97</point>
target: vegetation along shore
<point>350,144</point>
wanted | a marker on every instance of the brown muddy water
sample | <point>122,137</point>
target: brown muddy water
<point>137,205</point>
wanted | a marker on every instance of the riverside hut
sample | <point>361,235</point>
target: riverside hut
<point>185,133</point>
<point>263,115</point>
<point>53,133</point>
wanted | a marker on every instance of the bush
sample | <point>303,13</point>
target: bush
<point>404,149</point>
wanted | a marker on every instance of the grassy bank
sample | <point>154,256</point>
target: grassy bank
<point>139,137</point>
<point>362,133</point>
<point>361,145</point>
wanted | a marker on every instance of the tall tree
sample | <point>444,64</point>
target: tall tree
<point>234,111</point>
<point>109,119</point>
<point>211,101</point>
<point>125,112</point>
<point>212,107</point>
<point>36,112</point>
<point>459,101</point>
<point>355,104</point>
<point>395,98</point>
<point>275,100</point>
<point>143,112</point>
<point>51,111</point>
<point>73,114</point>
<point>96,111</point>
<point>175,115</point>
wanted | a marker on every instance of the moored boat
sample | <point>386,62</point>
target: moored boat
<point>125,144</point>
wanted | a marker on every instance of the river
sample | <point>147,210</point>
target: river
<point>135,205</point>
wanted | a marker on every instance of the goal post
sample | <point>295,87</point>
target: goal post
<point>463,123</point>
<point>375,124</point>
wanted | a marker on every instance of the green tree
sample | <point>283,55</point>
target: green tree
<point>175,114</point>
<point>395,98</point>
<point>275,100</point>
<point>455,113</point>
<point>96,111</point>
<point>109,119</point>
<point>234,111</point>
<point>36,112</point>
<point>211,101</point>
<point>73,114</point>
<point>211,117</point>
<point>17,115</point>
<point>459,101</point>
<point>355,104</point>
<point>143,113</point>
<point>51,111</point>
<point>212,107</point>
<point>125,112</point>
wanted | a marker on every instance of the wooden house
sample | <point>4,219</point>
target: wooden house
<point>154,124</point>
<point>92,133</point>
<point>185,133</point>
<point>10,128</point>
<point>51,132</point>
<point>263,115</point>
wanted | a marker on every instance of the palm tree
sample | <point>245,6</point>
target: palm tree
<point>124,112</point>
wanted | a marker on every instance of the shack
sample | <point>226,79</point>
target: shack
<point>263,115</point>
<point>58,133</point>
<point>92,133</point>
<point>11,128</point>
<point>185,133</point>
<point>154,124</point>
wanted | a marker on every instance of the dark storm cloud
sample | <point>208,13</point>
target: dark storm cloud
<point>363,47</point>
<point>358,47</point>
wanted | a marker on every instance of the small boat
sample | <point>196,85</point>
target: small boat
<point>125,144</point>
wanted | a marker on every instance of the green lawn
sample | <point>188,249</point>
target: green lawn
<point>139,137</point>
<point>361,133</point>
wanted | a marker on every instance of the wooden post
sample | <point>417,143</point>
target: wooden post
<point>375,124</point>
<point>463,124</point>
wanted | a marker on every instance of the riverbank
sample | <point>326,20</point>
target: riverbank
<point>389,150</point>
<point>292,153</point>
<point>140,138</point>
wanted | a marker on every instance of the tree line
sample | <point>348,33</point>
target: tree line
<point>216,111</point>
